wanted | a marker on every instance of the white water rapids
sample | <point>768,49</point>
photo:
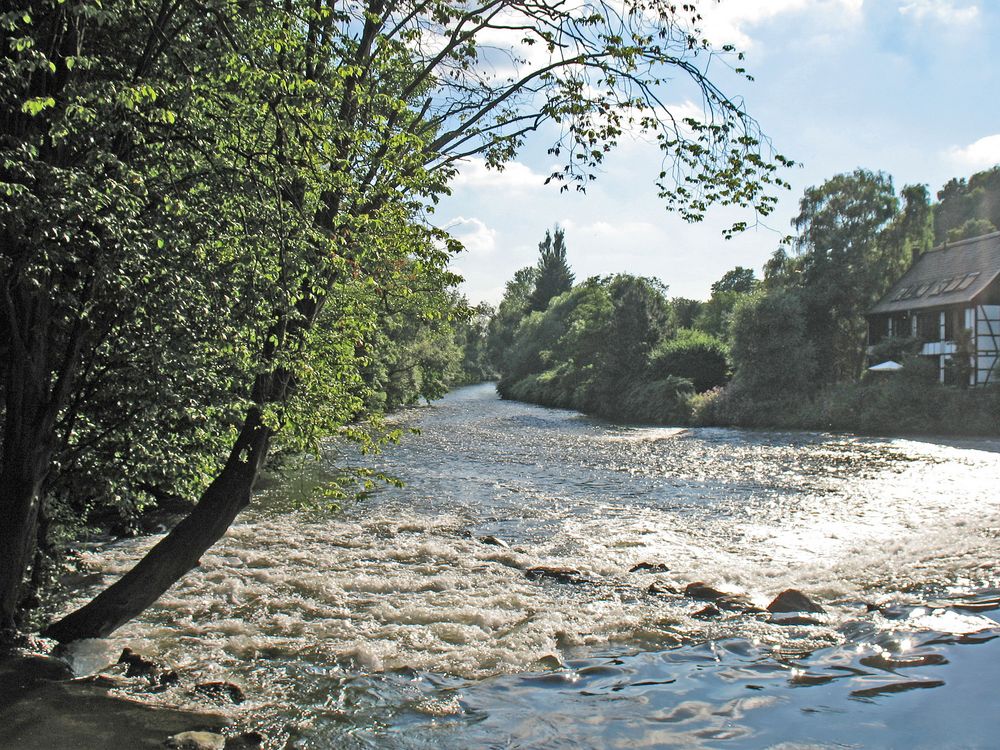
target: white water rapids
<point>340,626</point>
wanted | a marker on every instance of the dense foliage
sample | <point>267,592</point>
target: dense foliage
<point>606,346</point>
<point>967,208</point>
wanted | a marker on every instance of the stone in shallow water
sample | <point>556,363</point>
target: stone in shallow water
<point>494,541</point>
<point>221,691</point>
<point>793,600</point>
<point>196,741</point>
<point>550,661</point>
<point>662,588</point>
<point>563,575</point>
<point>737,603</point>
<point>701,590</point>
<point>245,741</point>
<point>138,665</point>
<point>707,612</point>
<point>649,566</point>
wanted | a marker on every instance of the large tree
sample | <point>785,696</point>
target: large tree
<point>107,215</point>
<point>844,264</point>
<point>347,121</point>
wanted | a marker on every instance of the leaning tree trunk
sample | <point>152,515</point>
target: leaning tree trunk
<point>179,551</point>
<point>229,493</point>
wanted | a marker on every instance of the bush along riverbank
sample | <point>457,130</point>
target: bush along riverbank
<point>892,405</point>
<point>889,406</point>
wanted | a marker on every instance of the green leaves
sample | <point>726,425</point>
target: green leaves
<point>37,105</point>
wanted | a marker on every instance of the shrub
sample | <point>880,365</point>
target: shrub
<point>694,355</point>
<point>663,401</point>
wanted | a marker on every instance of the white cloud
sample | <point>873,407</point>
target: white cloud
<point>943,11</point>
<point>981,154</point>
<point>728,22</point>
<point>473,233</point>
<point>686,110</point>
<point>473,173</point>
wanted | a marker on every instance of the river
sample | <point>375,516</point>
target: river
<point>407,620</point>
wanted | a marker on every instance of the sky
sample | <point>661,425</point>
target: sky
<point>909,87</point>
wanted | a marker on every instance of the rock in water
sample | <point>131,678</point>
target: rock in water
<point>701,590</point>
<point>492,540</point>
<point>221,691</point>
<point>196,741</point>
<point>661,588</point>
<point>793,600</point>
<point>137,665</point>
<point>651,567</point>
<point>563,575</point>
<point>245,741</point>
<point>737,603</point>
<point>707,612</point>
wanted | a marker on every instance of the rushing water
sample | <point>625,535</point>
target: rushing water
<point>399,623</point>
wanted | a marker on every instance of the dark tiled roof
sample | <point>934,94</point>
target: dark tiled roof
<point>951,274</point>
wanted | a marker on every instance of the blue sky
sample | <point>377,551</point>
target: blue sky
<point>910,87</point>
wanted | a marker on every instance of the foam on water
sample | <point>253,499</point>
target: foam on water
<point>407,580</point>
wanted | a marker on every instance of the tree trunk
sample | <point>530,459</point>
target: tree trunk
<point>181,549</point>
<point>18,522</point>
<point>26,454</point>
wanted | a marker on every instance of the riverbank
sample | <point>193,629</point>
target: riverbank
<point>884,406</point>
<point>45,707</point>
<point>881,406</point>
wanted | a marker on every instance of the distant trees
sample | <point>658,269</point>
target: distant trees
<point>639,321</point>
<point>471,332</point>
<point>601,347</point>
<point>683,312</point>
<point>509,314</point>
<point>773,355</point>
<point>790,348</point>
<point>554,276</point>
<point>967,208</point>
<point>740,280</point>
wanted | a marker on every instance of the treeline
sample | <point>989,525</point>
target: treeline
<point>787,350</point>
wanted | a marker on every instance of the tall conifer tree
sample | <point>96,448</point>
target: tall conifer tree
<point>554,275</point>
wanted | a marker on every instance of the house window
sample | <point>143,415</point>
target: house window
<point>928,326</point>
<point>952,284</point>
<point>954,321</point>
<point>967,281</point>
